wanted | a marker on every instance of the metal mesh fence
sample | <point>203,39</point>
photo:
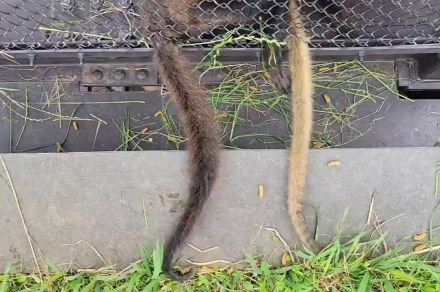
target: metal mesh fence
<point>49,24</point>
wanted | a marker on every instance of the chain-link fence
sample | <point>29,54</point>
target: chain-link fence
<point>48,24</point>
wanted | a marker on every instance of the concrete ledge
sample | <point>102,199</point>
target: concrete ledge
<point>73,201</point>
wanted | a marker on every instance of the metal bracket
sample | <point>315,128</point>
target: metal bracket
<point>118,75</point>
<point>419,73</point>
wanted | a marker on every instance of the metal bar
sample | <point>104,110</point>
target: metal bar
<point>250,54</point>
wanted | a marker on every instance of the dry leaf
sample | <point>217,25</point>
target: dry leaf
<point>206,270</point>
<point>335,68</point>
<point>317,145</point>
<point>334,163</point>
<point>327,98</point>
<point>419,247</point>
<point>285,259</point>
<point>221,114</point>
<point>184,270</point>
<point>173,140</point>
<point>324,69</point>
<point>159,113</point>
<point>230,270</point>
<point>59,148</point>
<point>419,236</point>
<point>145,131</point>
<point>261,191</point>
<point>75,125</point>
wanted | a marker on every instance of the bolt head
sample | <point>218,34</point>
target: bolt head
<point>119,74</point>
<point>142,74</point>
<point>97,75</point>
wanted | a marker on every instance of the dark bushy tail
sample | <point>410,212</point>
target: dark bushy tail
<point>203,141</point>
<point>199,194</point>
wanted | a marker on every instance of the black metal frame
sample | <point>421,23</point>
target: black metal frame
<point>405,56</point>
<point>33,57</point>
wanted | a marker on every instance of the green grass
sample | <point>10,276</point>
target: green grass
<point>130,140</point>
<point>248,107</point>
<point>243,93</point>
<point>358,90</point>
<point>356,265</point>
<point>349,99</point>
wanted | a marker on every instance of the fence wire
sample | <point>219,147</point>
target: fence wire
<point>57,24</point>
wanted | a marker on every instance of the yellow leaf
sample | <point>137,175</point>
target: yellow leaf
<point>172,139</point>
<point>261,191</point>
<point>419,236</point>
<point>145,131</point>
<point>221,115</point>
<point>334,163</point>
<point>159,113</point>
<point>230,270</point>
<point>324,69</point>
<point>317,145</point>
<point>184,270</point>
<point>59,148</point>
<point>75,125</point>
<point>285,259</point>
<point>206,270</point>
<point>327,98</point>
<point>419,247</point>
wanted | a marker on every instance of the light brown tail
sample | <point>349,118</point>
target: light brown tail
<point>302,108</point>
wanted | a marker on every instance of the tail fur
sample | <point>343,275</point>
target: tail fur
<point>203,142</point>
<point>302,108</point>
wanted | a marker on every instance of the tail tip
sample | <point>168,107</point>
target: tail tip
<point>178,276</point>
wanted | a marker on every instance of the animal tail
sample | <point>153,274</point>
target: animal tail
<point>302,108</point>
<point>203,142</point>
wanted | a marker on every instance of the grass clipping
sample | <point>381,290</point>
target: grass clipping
<point>356,265</point>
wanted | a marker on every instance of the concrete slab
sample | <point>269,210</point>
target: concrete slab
<point>119,201</point>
